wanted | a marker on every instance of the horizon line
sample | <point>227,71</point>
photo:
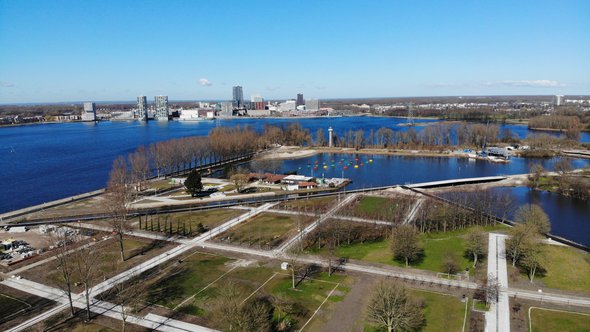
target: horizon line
<point>111,102</point>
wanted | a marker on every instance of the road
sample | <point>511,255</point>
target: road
<point>498,317</point>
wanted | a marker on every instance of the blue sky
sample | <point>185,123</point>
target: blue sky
<point>116,50</point>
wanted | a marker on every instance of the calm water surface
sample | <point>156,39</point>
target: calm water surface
<point>41,163</point>
<point>570,217</point>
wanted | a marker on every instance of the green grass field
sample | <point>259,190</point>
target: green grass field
<point>435,246</point>
<point>266,230</point>
<point>202,276</point>
<point>547,320</point>
<point>567,268</point>
<point>10,306</point>
<point>370,205</point>
<point>314,204</point>
<point>189,278</point>
<point>309,294</point>
<point>209,218</point>
<point>441,313</point>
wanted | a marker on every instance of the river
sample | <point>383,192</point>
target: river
<point>41,163</point>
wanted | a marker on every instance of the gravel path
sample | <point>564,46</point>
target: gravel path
<point>348,314</point>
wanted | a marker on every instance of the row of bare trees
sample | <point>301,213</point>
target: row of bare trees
<point>482,206</point>
<point>431,136</point>
<point>81,265</point>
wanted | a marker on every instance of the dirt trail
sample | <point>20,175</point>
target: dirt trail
<point>348,314</point>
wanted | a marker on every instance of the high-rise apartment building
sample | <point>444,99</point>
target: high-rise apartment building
<point>142,108</point>
<point>238,96</point>
<point>558,100</point>
<point>89,112</point>
<point>161,108</point>
<point>312,105</point>
<point>300,100</point>
<point>257,102</point>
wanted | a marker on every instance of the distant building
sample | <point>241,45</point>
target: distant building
<point>257,102</point>
<point>226,108</point>
<point>287,106</point>
<point>142,108</point>
<point>89,112</point>
<point>237,96</point>
<point>161,108</point>
<point>312,105</point>
<point>300,100</point>
<point>558,100</point>
<point>257,112</point>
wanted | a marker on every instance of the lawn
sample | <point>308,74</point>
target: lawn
<point>190,220</point>
<point>548,320</point>
<point>202,276</point>
<point>441,313</point>
<point>187,279</point>
<point>247,279</point>
<point>321,204</point>
<point>567,269</point>
<point>309,294</point>
<point>435,246</point>
<point>10,306</point>
<point>136,251</point>
<point>265,230</point>
<point>371,205</point>
<point>381,208</point>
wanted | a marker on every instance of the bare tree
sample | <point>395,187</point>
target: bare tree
<point>140,166</point>
<point>117,198</point>
<point>533,256</point>
<point>320,139</point>
<point>536,172</point>
<point>392,308</point>
<point>534,218</point>
<point>86,270</point>
<point>128,295</point>
<point>230,313</point>
<point>450,263</point>
<point>476,244</point>
<point>63,241</point>
<point>405,243</point>
<point>239,180</point>
<point>518,235</point>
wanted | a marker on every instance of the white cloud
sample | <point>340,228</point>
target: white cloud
<point>527,83</point>
<point>5,84</point>
<point>204,82</point>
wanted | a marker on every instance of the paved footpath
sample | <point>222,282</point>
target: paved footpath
<point>498,317</point>
<point>150,321</point>
<point>283,248</point>
<point>58,296</point>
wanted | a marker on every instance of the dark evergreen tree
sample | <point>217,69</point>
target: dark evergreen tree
<point>193,183</point>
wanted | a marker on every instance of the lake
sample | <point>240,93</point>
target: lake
<point>45,162</point>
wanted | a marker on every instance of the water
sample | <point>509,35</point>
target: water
<point>391,170</point>
<point>41,163</point>
<point>568,216</point>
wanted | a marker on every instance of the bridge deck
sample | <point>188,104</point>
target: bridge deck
<point>456,182</point>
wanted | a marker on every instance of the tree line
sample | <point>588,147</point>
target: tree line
<point>569,124</point>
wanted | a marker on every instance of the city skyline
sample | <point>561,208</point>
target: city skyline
<point>400,49</point>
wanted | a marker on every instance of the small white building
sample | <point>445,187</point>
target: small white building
<point>292,181</point>
<point>18,229</point>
